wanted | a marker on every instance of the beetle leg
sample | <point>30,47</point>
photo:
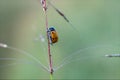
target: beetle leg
<point>49,37</point>
<point>51,40</point>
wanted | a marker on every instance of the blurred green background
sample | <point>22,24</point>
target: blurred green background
<point>97,22</point>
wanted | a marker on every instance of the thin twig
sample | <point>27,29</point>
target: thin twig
<point>43,2</point>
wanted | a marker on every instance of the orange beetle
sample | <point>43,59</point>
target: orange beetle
<point>53,37</point>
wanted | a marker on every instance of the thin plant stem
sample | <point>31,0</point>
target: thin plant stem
<point>112,55</point>
<point>43,2</point>
<point>23,52</point>
<point>69,57</point>
<point>62,15</point>
<point>49,51</point>
<point>51,77</point>
<point>29,55</point>
<point>18,61</point>
<point>79,59</point>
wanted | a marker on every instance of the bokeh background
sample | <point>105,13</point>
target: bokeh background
<point>97,23</point>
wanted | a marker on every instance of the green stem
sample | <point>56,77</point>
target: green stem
<point>51,77</point>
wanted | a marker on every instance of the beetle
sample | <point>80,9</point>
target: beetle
<point>52,34</point>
